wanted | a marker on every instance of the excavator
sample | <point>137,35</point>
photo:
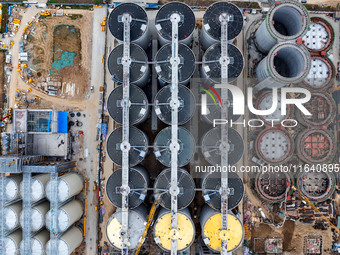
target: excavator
<point>150,218</point>
<point>304,198</point>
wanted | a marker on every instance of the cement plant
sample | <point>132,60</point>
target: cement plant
<point>170,127</point>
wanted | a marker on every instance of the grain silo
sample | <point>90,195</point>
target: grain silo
<point>137,220</point>
<point>286,63</point>
<point>69,185</point>
<point>138,105</point>
<point>211,66</point>
<point>211,190</point>
<point>186,24</point>
<point>12,243</point>
<point>67,215</point>
<point>265,102</point>
<point>139,68</point>
<point>185,233</point>
<point>12,216</point>
<point>320,35</point>
<point>187,104</point>
<point>316,146</point>
<point>316,186</point>
<point>186,66</point>
<point>139,26</point>
<point>321,74</point>
<point>67,243</point>
<point>212,234</point>
<point>274,146</point>
<point>138,181</point>
<point>186,143</point>
<point>211,146</point>
<point>38,184</point>
<point>12,187</point>
<point>274,186</point>
<point>139,143</point>
<point>287,20</point>
<point>38,213</point>
<point>185,184</point>
<point>322,108</point>
<point>38,243</point>
<point>211,27</point>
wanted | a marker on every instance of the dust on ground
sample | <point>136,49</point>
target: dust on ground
<point>51,42</point>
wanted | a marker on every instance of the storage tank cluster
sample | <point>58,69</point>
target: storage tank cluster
<point>276,187</point>
<point>280,37</point>
<point>139,180</point>
<point>69,185</point>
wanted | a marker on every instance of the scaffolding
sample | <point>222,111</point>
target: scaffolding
<point>27,165</point>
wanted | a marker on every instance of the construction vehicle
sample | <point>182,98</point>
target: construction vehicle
<point>103,24</point>
<point>45,13</point>
<point>304,198</point>
<point>150,219</point>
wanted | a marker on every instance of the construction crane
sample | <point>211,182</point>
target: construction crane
<point>150,218</point>
<point>304,198</point>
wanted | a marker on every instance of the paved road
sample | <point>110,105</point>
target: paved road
<point>92,107</point>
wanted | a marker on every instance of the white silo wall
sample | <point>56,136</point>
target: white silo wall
<point>67,243</point>
<point>69,185</point>
<point>68,214</point>
<point>38,213</point>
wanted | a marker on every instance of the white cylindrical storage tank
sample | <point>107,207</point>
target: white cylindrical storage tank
<point>69,185</point>
<point>211,27</point>
<point>186,25</point>
<point>287,20</point>
<point>210,220</point>
<point>12,243</point>
<point>67,243</point>
<point>37,216</point>
<point>137,221</point>
<point>286,63</point>
<point>139,26</point>
<point>38,243</point>
<point>186,66</point>
<point>12,187</point>
<point>67,215</point>
<point>38,184</point>
<point>185,230</point>
<point>139,68</point>
<point>12,214</point>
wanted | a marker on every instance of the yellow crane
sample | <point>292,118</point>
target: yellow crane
<point>304,198</point>
<point>150,218</point>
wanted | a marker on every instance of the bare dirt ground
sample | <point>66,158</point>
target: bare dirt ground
<point>326,2</point>
<point>2,63</point>
<point>51,34</point>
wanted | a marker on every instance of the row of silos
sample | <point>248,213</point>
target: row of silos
<point>69,185</point>
<point>275,187</point>
<point>139,111</point>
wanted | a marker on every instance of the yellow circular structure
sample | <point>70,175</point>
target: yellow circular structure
<point>184,234</point>
<point>212,233</point>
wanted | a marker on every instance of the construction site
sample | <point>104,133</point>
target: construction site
<point>122,131</point>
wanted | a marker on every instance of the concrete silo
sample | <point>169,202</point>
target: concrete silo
<point>38,184</point>
<point>12,187</point>
<point>12,243</point>
<point>38,213</point>
<point>67,215</point>
<point>67,243</point>
<point>38,243</point>
<point>12,216</point>
<point>69,185</point>
<point>287,20</point>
